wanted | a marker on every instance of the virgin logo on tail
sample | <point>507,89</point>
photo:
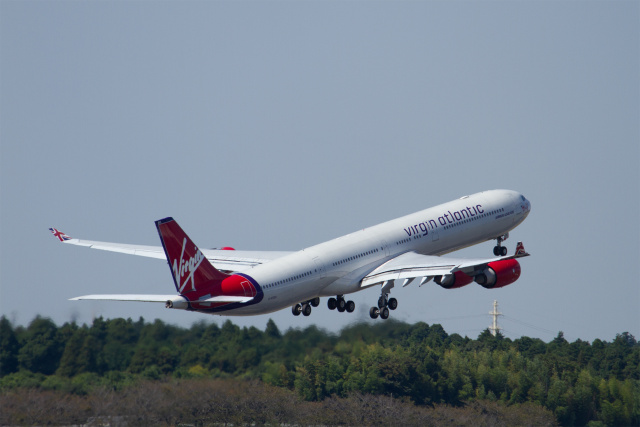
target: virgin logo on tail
<point>190,268</point>
<point>187,266</point>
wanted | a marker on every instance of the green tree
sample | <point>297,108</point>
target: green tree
<point>120,339</point>
<point>272,330</point>
<point>70,363</point>
<point>530,347</point>
<point>42,350</point>
<point>9,348</point>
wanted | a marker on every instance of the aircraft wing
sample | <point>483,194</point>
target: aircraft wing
<point>224,260</point>
<point>411,265</point>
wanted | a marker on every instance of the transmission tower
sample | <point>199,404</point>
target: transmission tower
<point>494,328</point>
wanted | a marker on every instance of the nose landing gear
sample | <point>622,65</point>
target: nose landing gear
<point>498,249</point>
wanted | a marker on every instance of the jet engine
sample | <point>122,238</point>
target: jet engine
<point>453,281</point>
<point>499,273</point>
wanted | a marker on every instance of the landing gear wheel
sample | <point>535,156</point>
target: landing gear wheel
<point>382,302</point>
<point>351,306</point>
<point>374,312</point>
<point>384,313</point>
<point>393,303</point>
<point>498,249</point>
<point>341,304</point>
<point>296,309</point>
<point>315,302</point>
<point>332,303</point>
<point>306,309</point>
<point>342,309</point>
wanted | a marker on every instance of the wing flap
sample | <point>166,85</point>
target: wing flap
<point>409,266</point>
<point>411,273</point>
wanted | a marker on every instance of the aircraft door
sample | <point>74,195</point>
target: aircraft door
<point>516,215</point>
<point>320,267</point>
<point>385,247</point>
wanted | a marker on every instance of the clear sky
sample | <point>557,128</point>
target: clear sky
<point>277,125</point>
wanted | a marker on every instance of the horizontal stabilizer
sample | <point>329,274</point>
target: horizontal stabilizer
<point>226,298</point>
<point>160,298</point>
<point>126,297</point>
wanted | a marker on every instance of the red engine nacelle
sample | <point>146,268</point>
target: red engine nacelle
<point>453,281</point>
<point>499,273</point>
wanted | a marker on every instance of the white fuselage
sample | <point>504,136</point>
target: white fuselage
<point>337,267</point>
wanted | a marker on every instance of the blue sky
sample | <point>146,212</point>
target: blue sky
<point>278,125</point>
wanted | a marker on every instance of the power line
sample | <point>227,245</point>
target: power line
<point>548,317</point>
<point>455,317</point>
<point>529,325</point>
<point>494,328</point>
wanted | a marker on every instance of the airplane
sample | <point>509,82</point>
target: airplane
<point>399,252</point>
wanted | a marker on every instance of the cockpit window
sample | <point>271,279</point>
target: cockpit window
<point>522,197</point>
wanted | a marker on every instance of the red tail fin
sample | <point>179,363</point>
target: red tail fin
<point>191,270</point>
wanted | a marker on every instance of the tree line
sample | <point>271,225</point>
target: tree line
<point>580,383</point>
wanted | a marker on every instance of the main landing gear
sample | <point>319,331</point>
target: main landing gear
<point>334,303</point>
<point>384,305</point>
<point>305,307</point>
<point>341,305</point>
<point>498,249</point>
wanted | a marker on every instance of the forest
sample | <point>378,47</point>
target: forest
<point>368,374</point>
